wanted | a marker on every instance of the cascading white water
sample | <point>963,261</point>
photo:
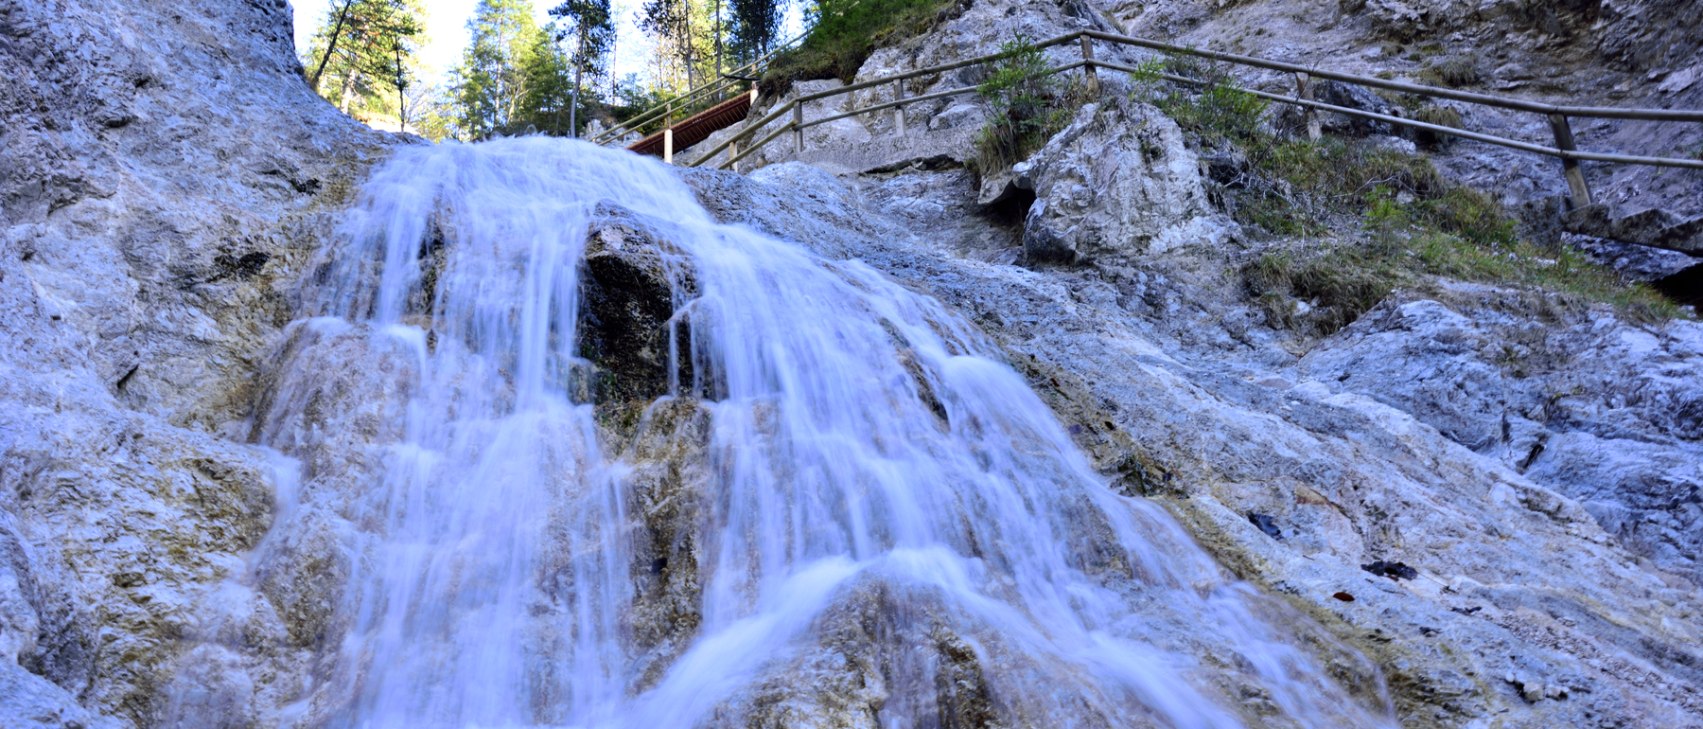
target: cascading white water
<point>858,432</point>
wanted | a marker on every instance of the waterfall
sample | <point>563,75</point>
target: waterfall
<point>863,448</point>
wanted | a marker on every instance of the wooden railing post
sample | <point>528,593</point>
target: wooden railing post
<point>899,111</point>
<point>1088,66</point>
<point>1580,192</point>
<point>798,126</point>
<point>733,156</point>
<point>1304,92</point>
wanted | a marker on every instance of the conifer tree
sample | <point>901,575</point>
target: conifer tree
<point>362,56</point>
<point>589,29</point>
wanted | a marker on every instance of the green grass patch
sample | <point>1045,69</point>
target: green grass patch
<point>1453,72</point>
<point>1214,108</point>
<point>1459,234</point>
<point>1411,222</point>
<point>847,31</point>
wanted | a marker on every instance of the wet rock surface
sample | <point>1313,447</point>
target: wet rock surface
<point>634,284</point>
<point>1522,472</point>
<point>1500,572</point>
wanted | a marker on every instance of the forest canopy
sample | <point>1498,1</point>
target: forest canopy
<point>520,76</point>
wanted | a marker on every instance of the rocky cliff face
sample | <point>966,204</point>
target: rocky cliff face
<point>1493,493</point>
<point>1626,53</point>
<point>1533,460</point>
<point>163,173</point>
<point>1373,480</point>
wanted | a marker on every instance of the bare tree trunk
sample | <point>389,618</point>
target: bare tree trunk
<point>686,42</point>
<point>348,91</point>
<point>331,45</point>
<point>579,74</point>
<point>401,88</point>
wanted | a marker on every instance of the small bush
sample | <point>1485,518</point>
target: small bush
<point>1026,104</point>
<point>1452,72</point>
<point>1210,106</point>
<point>1439,115</point>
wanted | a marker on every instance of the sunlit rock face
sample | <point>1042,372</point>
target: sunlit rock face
<point>162,168</point>
<point>1118,182</point>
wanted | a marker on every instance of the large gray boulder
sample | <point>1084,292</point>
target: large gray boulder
<point>1118,182</point>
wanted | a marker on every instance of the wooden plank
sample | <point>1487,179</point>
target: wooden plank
<point>1580,193</point>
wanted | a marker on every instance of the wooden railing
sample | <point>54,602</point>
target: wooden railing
<point>704,96</point>
<point>1557,116</point>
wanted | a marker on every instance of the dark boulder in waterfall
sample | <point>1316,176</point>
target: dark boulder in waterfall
<point>633,283</point>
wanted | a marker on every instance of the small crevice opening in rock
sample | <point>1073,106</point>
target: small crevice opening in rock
<point>125,379</point>
<point>1011,209</point>
<point>1684,288</point>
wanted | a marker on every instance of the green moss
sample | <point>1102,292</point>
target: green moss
<point>847,31</point>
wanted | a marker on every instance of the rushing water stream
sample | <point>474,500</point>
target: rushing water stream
<point>858,434</point>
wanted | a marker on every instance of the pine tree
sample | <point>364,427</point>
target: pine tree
<point>589,28</point>
<point>515,79</point>
<point>489,84</point>
<point>670,22</point>
<point>362,57</point>
<point>755,27</point>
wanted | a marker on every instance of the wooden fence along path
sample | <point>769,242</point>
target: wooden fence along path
<point>738,147</point>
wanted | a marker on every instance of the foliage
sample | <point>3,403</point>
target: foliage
<point>1023,100</point>
<point>1414,222</point>
<point>362,55</point>
<point>1443,230</point>
<point>670,22</point>
<point>754,28</point>
<point>589,28</point>
<point>1210,105</point>
<point>1222,111</point>
<point>513,78</point>
<point>847,31</point>
<point>1452,72</point>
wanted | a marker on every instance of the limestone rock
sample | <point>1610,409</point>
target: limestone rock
<point>1176,397</point>
<point>1591,407</point>
<point>1118,182</point>
<point>164,174</point>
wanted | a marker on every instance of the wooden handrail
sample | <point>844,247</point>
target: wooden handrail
<point>1695,164</point>
<point>1504,102</point>
<point>694,95</point>
<point>931,70</point>
<point>1557,115</point>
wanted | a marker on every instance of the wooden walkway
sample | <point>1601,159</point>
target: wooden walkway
<point>696,128</point>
